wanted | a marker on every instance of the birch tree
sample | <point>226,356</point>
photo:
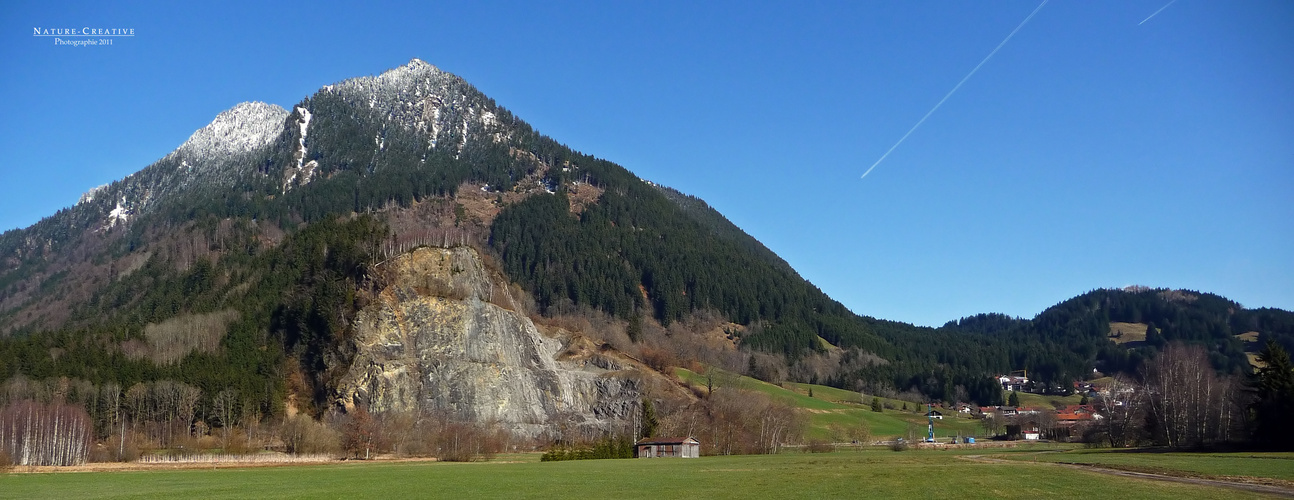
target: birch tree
<point>1190,404</point>
<point>35,433</point>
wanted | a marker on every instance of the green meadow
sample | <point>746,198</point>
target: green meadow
<point>869,473</point>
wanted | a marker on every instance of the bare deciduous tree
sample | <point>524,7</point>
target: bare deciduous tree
<point>1190,404</point>
<point>1123,406</point>
<point>743,421</point>
<point>225,408</point>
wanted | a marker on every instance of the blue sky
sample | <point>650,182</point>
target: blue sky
<point>1089,152</point>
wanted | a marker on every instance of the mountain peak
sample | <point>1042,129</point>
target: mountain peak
<point>415,70</point>
<point>242,128</point>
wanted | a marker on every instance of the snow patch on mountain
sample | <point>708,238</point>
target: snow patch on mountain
<point>304,123</point>
<point>305,127</point>
<point>308,172</point>
<point>119,214</point>
<point>435,127</point>
<point>305,169</point>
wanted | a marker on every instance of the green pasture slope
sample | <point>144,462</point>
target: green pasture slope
<point>850,474</point>
<point>830,406</point>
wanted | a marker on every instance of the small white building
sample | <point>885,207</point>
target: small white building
<point>680,447</point>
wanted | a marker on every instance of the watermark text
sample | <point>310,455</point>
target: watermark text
<point>85,36</point>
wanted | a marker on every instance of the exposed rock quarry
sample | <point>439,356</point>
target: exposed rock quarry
<point>436,339</point>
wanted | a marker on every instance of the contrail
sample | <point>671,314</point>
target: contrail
<point>959,85</point>
<point>1161,9</point>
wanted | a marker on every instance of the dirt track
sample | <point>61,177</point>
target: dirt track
<point>232,464</point>
<point>1269,489</point>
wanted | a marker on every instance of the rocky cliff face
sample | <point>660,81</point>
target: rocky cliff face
<point>443,336</point>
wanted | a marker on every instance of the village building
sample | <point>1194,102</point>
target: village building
<point>1071,419</point>
<point>680,447</point>
<point>1072,415</point>
<point>1080,410</point>
<point>1013,382</point>
<point>1028,431</point>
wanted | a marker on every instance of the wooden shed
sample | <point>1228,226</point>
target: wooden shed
<point>680,447</point>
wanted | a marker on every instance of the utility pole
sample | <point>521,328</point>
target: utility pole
<point>930,429</point>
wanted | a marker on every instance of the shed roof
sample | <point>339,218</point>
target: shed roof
<point>668,440</point>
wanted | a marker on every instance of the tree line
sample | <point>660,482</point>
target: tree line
<point>1178,400</point>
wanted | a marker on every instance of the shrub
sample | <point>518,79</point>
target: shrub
<point>468,441</point>
<point>818,446</point>
<point>660,360</point>
<point>302,434</point>
<point>607,447</point>
<point>114,450</point>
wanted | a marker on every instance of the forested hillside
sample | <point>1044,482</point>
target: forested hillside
<point>289,307</point>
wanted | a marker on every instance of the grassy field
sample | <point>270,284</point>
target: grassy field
<point>1122,333</point>
<point>1266,465</point>
<point>830,406</point>
<point>1031,400</point>
<point>871,473</point>
<point>1251,348</point>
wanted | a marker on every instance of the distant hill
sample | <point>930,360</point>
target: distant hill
<point>1116,329</point>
